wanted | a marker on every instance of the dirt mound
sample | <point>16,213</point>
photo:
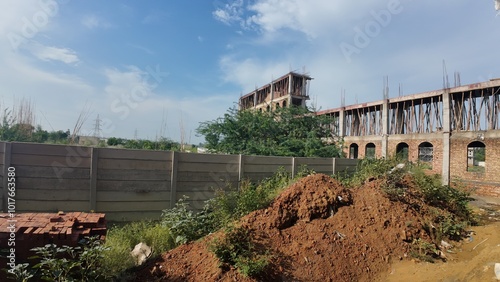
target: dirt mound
<point>316,230</point>
<point>318,196</point>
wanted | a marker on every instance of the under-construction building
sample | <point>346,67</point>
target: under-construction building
<point>290,89</point>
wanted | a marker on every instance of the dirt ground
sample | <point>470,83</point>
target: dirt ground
<point>316,230</point>
<point>472,259</point>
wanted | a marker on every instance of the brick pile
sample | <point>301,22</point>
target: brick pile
<point>38,229</point>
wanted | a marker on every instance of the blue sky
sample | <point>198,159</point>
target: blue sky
<point>152,66</point>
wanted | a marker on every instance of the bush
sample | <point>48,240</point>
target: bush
<point>231,205</point>
<point>121,241</point>
<point>184,224</point>
<point>367,169</point>
<point>412,184</point>
<point>227,206</point>
<point>235,248</point>
<point>65,263</point>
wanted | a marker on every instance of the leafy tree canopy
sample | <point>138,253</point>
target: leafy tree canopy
<point>292,131</point>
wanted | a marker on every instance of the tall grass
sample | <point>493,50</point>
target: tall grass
<point>121,241</point>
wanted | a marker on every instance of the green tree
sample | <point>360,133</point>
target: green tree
<point>292,131</point>
<point>113,141</point>
<point>58,137</point>
<point>39,135</point>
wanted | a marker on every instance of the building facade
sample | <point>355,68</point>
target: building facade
<point>455,131</point>
<point>290,89</point>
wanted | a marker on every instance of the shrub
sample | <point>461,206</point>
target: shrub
<point>21,272</point>
<point>121,241</point>
<point>368,169</point>
<point>65,263</point>
<point>423,250</point>
<point>252,266</point>
<point>235,248</point>
<point>412,184</point>
<point>231,205</point>
<point>184,224</point>
<point>227,205</point>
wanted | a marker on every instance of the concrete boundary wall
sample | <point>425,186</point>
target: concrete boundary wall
<point>131,184</point>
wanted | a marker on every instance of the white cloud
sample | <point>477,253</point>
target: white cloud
<point>311,17</point>
<point>142,48</point>
<point>93,21</point>
<point>230,13</point>
<point>132,101</point>
<point>48,53</point>
<point>251,73</point>
<point>319,26</point>
<point>154,17</point>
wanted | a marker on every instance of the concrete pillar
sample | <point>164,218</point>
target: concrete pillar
<point>272,96</point>
<point>341,132</point>
<point>385,127</point>
<point>399,119</point>
<point>356,123</point>
<point>446,137</point>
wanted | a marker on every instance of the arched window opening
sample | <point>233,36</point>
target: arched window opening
<point>353,151</point>
<point>284,104</point>
<point>426,153</point>
<point>370,151</point>
<point>296,102</point>
<point>402,151</point>
<point>476,157</point>
<point>268,108</point>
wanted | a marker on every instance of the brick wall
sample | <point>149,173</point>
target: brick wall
<point>414,141</point>
<point>485,183</point>
<point>362,147</point>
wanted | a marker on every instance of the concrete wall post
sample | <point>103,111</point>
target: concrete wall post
<point>385,127</point>
<point>446,137</point>
<point>341,132</point>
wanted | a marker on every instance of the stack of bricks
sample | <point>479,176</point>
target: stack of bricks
<point>38,229</point>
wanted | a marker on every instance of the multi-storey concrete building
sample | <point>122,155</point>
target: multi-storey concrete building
<point>290,89</point>
<point>456,131</point>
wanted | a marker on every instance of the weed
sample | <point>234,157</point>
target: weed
<point>184,224</point>
<point>423,250</point>
<point>21,272</point>
<point>252,266</point>
<point>235,248</point>
<point>121,240</point>
<point>367,169</point>
<point>231,205</point>
<point>227,206</point>
<point>65,263</point>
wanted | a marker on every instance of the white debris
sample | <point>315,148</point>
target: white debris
<point>445,244</point>
<point>141,253</point>
<point>397,167</point>
<point>497,270</point>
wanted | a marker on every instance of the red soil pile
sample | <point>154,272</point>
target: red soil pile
<point>316,230</point>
